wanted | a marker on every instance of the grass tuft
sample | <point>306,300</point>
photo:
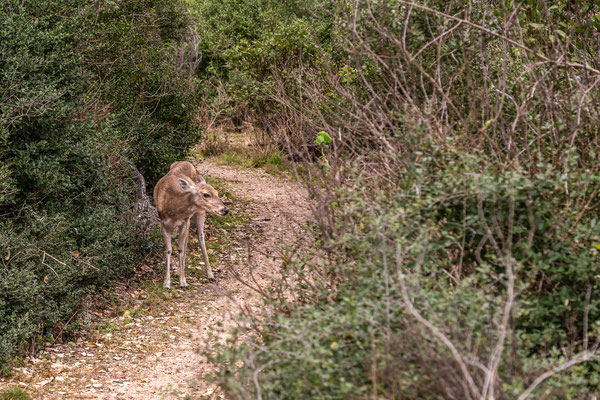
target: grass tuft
<point>15,393</point>
<point>241,150</point>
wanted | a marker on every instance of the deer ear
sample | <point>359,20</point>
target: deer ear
<point>200,180</point>
<point>186,186</point>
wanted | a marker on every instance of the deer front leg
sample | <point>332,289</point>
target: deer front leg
<point>184,231</point>
<point>167,236</point>
<point>200,217</point>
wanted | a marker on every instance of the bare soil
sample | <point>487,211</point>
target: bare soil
<point>155,348</point>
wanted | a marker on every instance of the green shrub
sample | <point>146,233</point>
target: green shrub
<point>436,246</point>
<point>86,91</point>
<point>456,255</point>
<point>247,47</point>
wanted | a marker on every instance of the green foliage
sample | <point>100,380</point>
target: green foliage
<point>439,238</point>
<point>249,45</point>
<point>461,191</point>
<point>86,91</point>
<point>323,139</point>
<point>154,100</point>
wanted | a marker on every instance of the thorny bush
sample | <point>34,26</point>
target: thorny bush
<point>457,208</point>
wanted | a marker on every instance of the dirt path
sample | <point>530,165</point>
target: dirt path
<point>152,351</point>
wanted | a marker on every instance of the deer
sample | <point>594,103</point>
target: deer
<point>187,169</point>
<point>180,196</point>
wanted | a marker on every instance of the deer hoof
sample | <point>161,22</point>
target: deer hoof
<point>212,279</point>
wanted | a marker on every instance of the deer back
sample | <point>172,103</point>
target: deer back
<point>186,169</point>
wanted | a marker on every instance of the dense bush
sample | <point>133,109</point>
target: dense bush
<point>86,92</point>
<point>246,47</point>
<point>457,192</point>
<point>478,257</point>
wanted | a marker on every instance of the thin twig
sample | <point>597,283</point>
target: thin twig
<point>583,357</point>
<point>586,312</point>
<point>507,39</point>
<point>437,333</point>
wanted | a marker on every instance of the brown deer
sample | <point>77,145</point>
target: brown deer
<point>179,196</point>
<point>187,169</point>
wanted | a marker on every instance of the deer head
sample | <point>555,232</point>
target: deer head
<point>204,197</point>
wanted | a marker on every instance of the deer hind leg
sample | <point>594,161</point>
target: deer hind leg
<point>184,231</point>
<point>200,217</point>
<point>167,236</point>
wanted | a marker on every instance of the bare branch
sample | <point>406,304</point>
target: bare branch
<point>507,39</point>
<point>581,358</point>
<point>474,391</point>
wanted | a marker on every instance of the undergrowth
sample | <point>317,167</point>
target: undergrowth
<point>242,150</point>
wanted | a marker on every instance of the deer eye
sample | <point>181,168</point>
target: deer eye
<point>206,195</point>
